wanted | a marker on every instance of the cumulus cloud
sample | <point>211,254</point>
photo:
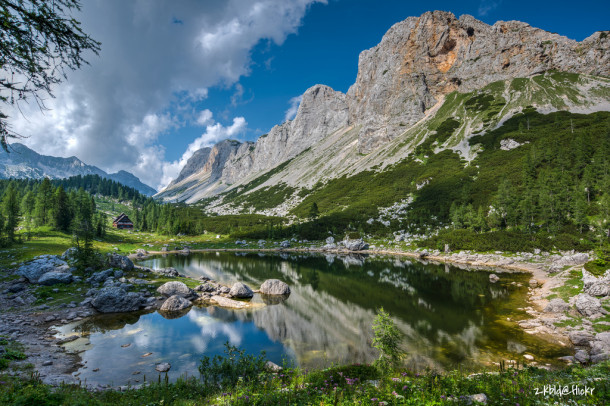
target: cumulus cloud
<point>204,117</point>
<point>294,107</point>
<point>155,54</point>
<point>213,134</point>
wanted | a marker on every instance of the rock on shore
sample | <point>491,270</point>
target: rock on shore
<point>275,287</point>
<point>176,288</point>
<point>241,291</point>
<point>175,304</point>
<point>117,300</point>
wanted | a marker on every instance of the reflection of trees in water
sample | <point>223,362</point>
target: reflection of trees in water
<point>108,322</point>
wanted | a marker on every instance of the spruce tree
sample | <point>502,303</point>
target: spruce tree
<point>61,210</point>
<point>10,207</point>
<point>44,201</point>
<point>82,228</point>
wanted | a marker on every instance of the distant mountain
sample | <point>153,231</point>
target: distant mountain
<point>23,162</point>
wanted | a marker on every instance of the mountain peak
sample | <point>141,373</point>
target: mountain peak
<point>401,82</point>
<point>23,162</point>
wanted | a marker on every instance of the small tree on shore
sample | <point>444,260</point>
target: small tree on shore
<point>387,341</point>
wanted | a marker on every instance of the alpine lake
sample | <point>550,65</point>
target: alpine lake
<point>451,318</point>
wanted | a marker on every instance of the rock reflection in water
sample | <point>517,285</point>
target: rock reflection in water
<point>449,316</point>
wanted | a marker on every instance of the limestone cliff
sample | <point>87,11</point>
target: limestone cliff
<point>401,81</point>
<point>421,59</point>
<point>203,171</point>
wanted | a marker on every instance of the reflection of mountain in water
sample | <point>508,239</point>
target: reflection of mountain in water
<point>328,316</point>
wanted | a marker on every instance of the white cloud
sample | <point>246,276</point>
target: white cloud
<point>213,134</point>
<point>198,94</point>
<point>205,117</point>
<point>237,97</point>
<point>149,65</point>
<point>294,107</point>
<point>485,6</point>
<point>149,129</point>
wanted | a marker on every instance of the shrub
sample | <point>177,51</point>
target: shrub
<point>225,372</point>
<point>387,341</point>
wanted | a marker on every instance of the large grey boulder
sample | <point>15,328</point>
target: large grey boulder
<point>569,260</point>
<point>580,338</point>
<point>175,288</point>
<point>600,347</point>
<point>581,356</point>
<point>330,240</point>
<point>596,286</point>
<point>285,244</point>
<point>275,287</point>
<point>55,277</point>
<point>175,304</point>
<point>116,300</point>
<point>589,306</point>
<point>356,245</point>
<point>40,265</point>
<point>69,254</point>
<point>120,261</point>
<point>556,305</point>
<point>241,291</point>
<point>100,277</point>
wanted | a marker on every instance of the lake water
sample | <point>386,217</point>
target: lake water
<point>450,317</point>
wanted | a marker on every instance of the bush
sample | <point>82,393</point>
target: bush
<point>226,372</point>
<point>508,241</point>
<point>387,341</point>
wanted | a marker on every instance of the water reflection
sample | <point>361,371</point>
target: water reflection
<point>449,316</point>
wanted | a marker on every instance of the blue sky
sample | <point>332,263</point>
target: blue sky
<point>175,76</point>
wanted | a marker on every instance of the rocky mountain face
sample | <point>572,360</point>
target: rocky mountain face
<point>23,162</point>
<point>401,82</point>
<point>204,169</point>
<point>422,59</point>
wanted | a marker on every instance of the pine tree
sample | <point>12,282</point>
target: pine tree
<point>83,229</point>
<point>10,207</point>
<point>313,211</point>
<point>44,201</point>
<point>61,210</point>
<point>28,203</point>
<point>580,211</point>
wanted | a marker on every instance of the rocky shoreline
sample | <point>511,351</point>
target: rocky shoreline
<point>35,326</point>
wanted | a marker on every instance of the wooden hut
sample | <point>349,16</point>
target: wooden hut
<point>122,221</point>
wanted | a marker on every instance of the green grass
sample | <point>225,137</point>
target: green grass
<point>571,287</point>
<point>345,385</point>
<point>13,351</point>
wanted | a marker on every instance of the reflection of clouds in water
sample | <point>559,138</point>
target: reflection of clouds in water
<point>211,328</point>
<point>199,343</point>
<point>142,340</point>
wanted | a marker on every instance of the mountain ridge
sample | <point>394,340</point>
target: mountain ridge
<point>24,162</point>
<point>402,82</point>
